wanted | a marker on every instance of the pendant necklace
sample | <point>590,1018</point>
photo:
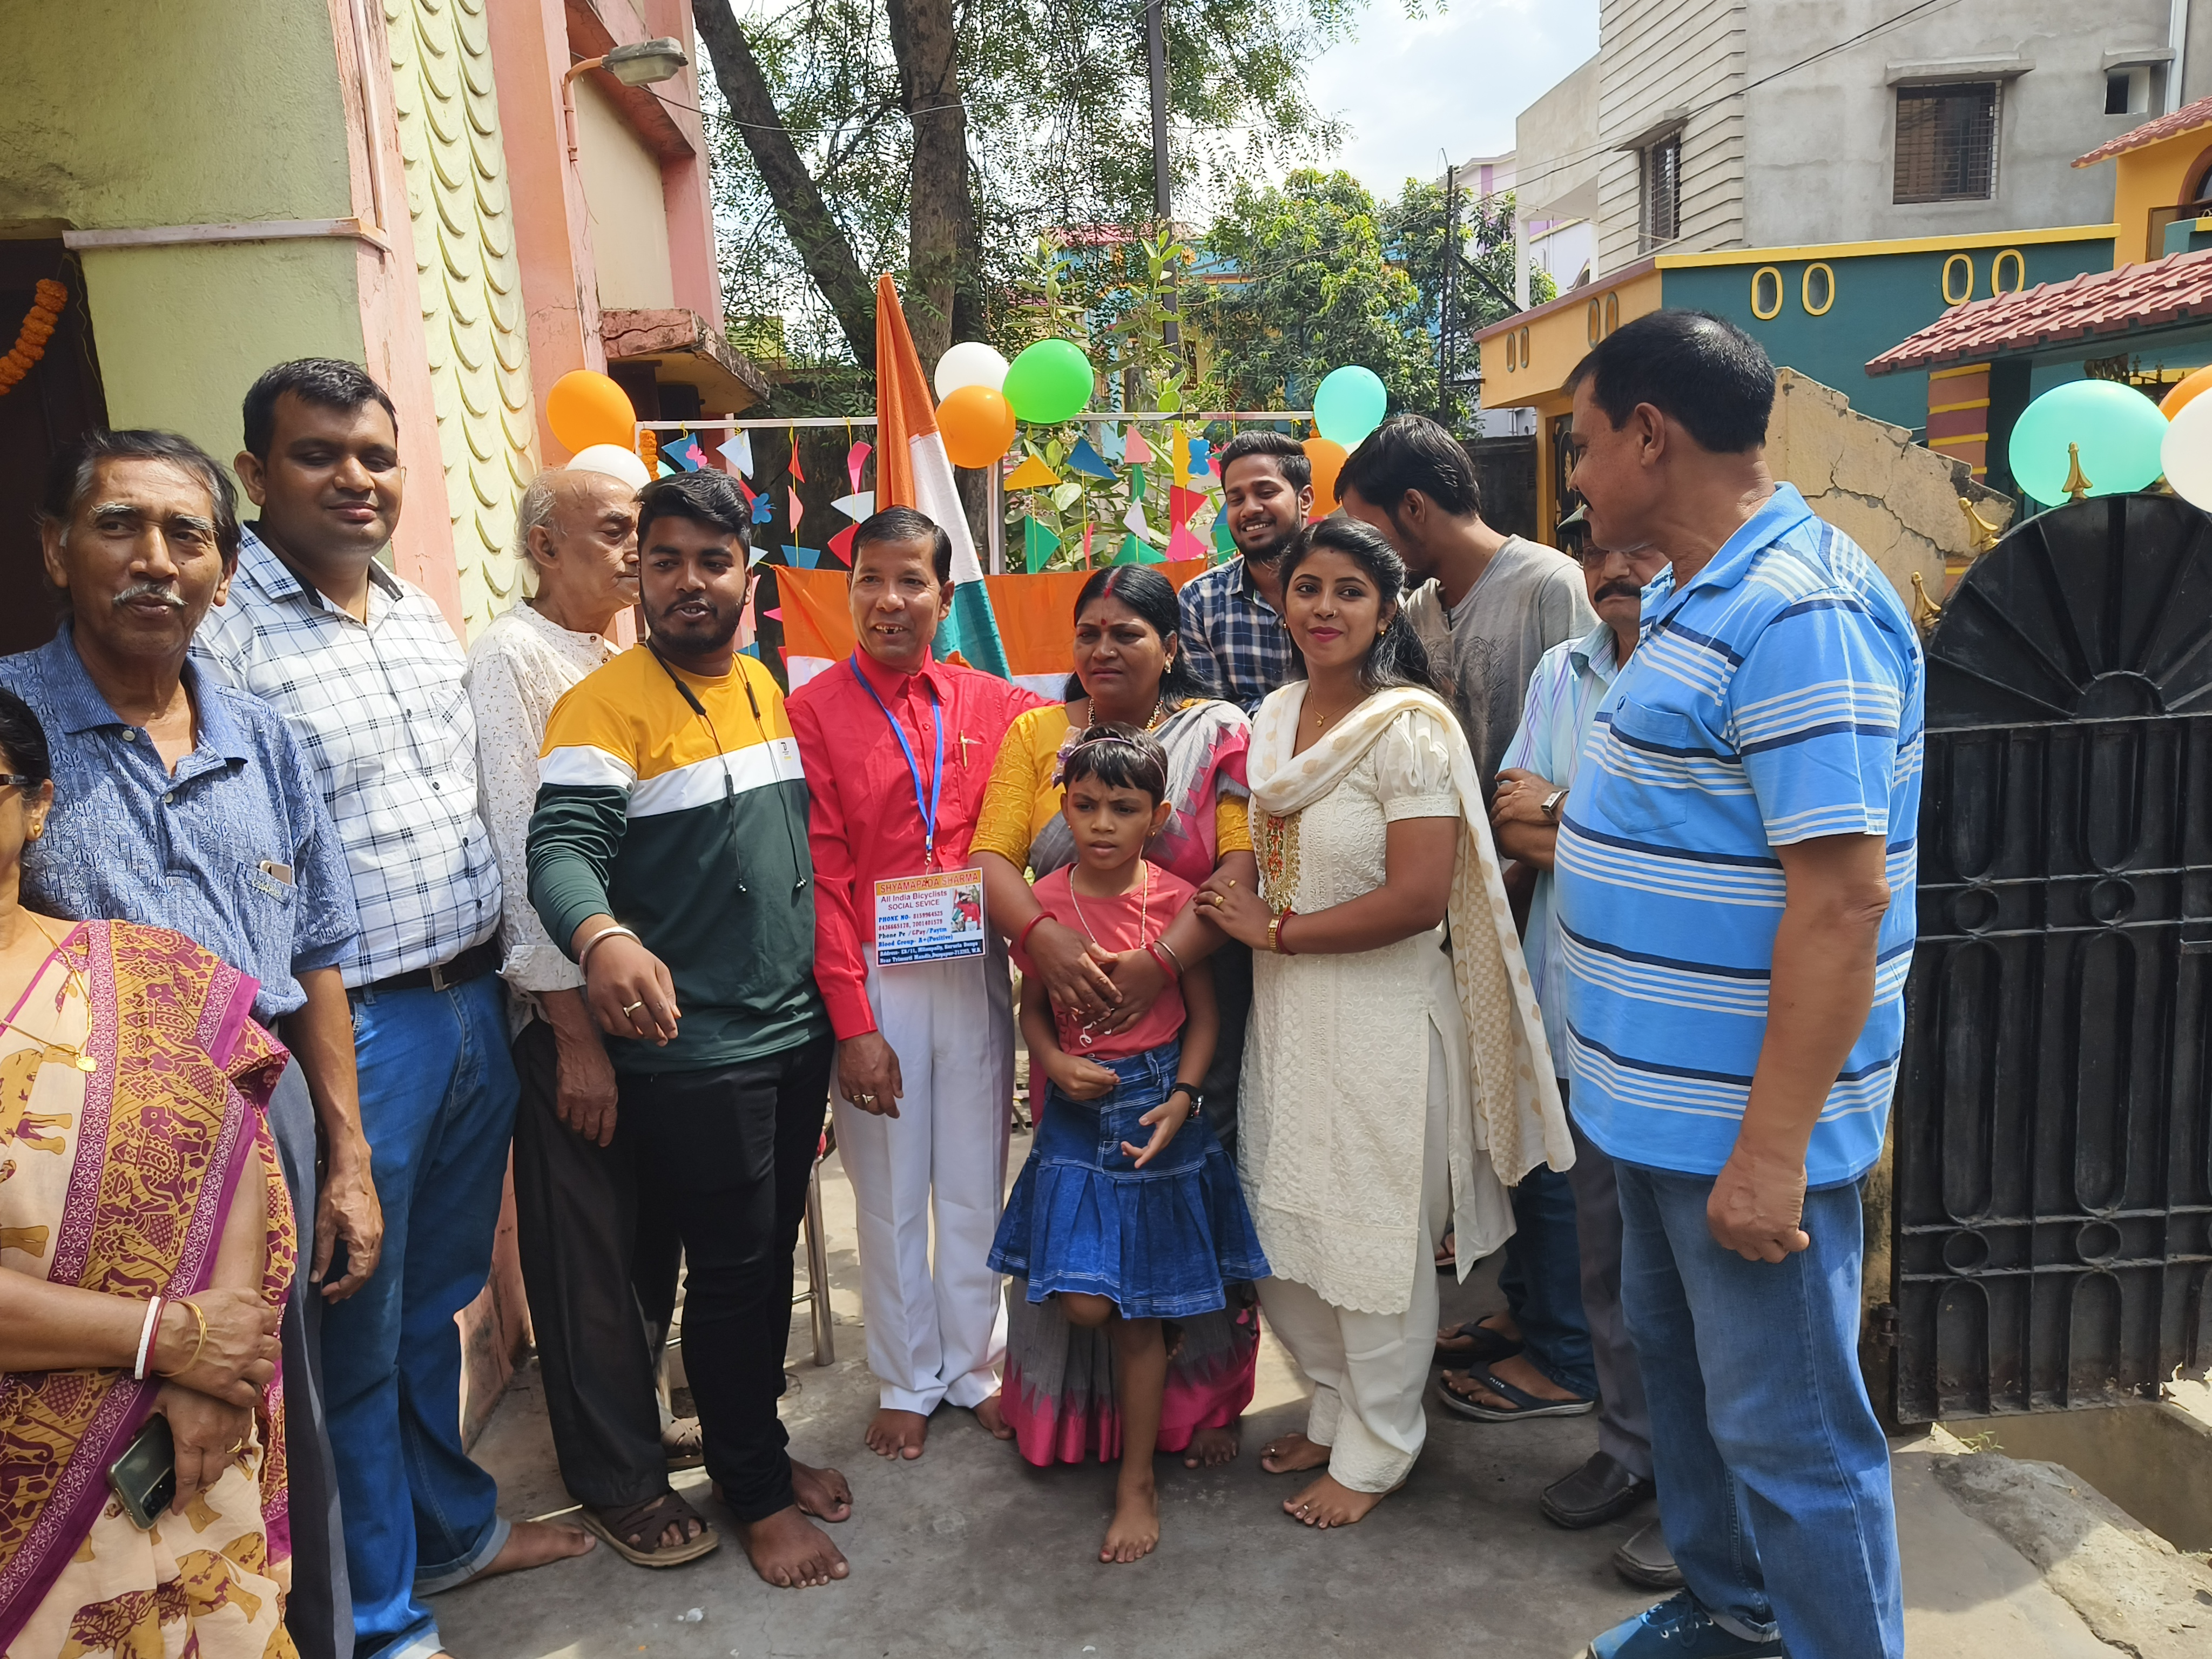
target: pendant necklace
<point>75,1057</point>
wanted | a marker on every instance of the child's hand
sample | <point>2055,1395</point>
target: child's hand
<point>1077,1078</point>
<point>1163,1119</point>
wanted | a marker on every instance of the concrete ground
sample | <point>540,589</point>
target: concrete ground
<point>971,1552</point>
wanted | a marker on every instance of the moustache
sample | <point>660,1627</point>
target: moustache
<point>161,591</point>
<point>1627,590</point>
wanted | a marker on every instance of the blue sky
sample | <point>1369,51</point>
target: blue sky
<point>1410,88</point>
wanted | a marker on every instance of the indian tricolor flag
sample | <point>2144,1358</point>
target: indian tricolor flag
<point>912,469</point>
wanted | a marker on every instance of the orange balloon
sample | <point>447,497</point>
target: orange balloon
<point>585,408</point>
<point>2185,392</point>
<point>1327,457</point>
<point>977,425</point>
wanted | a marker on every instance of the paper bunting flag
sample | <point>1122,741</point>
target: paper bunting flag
<point>1138,453</point>
<point>686,454</point>
<point>1223,542</point>
<point>1132,551</point>
<point>1181,503</point>
<point>1147,554</point>
<point>1038,544</point>
<point>1136,484</point>
<point>1032,474</point>
<point>744,489</point>
<point>842,544</point>
<point>668,468</point>
<point>738,452</point>
<point>806,558</point>
<point>1088,461</point>
<point>857,507</point>
<point>752,650</point>
<point>1200,454</point>
<point>1185,544</point>
<point>1134,518</point>
<point>1179,452</point>
<point>795,470</point>
<point>763,508</point>
<point>798,506</point>
<point>855,458</point>
<point>1086,546</point>
<point>1111,444</point>
<point>775,615</point>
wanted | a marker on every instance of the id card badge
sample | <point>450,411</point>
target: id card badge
<point>934,918</point>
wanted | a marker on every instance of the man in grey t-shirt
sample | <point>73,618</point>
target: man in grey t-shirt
<point>1489,604</point>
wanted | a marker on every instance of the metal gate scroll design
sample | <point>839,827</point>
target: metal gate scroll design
<point>2053,1179</point>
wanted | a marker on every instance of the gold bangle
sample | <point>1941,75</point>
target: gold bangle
<point>199,1339</point>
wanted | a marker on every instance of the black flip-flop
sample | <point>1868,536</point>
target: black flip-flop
<point>1524,1403</point>
<point>1489,1346</point>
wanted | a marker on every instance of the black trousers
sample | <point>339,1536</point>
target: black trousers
<point>576,1215</point>
<point>726,1154</point>
<point>1231,966</point>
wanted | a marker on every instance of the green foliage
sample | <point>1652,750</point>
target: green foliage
<point>1058,132</point>
<point>1307,283</point>
<point>1414,229</point>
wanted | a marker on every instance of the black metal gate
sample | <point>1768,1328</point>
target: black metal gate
<point>2053,1180</point>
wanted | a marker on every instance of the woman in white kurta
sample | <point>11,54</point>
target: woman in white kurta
<point>1391,1086</point>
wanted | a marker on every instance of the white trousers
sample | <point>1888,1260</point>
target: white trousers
<point>934,1333</point>
<point>1371,1371</point>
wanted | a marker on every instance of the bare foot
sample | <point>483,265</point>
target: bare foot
<point>1212,1447</point>
<point>791,1552</point>
<point>993,1416</point>
<point>533,1543</point>
<point>1325,1504</point>
<point>822,1493</point>
<point>1135,1529</point>
<point>1286,1453</point>
<point>894,1433</point>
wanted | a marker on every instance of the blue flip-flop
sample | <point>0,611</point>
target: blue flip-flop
<point>1525,1404</point>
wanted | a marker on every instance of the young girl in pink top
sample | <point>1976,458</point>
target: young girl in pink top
<point>1127,1210</point>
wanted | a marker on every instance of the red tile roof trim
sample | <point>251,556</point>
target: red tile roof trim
<point>2188,117</point>
<point>2176,289</point>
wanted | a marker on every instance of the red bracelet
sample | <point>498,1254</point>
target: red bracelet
<point>1022,939</point>
<point>1275,932</point>
<point>1153,951</point>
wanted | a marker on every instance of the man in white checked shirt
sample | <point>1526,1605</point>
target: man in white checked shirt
<point>366,673</point>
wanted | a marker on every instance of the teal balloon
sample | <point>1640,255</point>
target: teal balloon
<point>1349,404</point>
<point>1049,383</point>
<point>2117,429</point>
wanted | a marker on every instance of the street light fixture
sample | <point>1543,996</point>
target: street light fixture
<point>640,63</point>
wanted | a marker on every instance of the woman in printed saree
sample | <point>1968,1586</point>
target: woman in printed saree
<point>145,1244</point>
<point>1060,1386</point>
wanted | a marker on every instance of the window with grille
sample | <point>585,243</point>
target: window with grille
<point>1662,191</point>
<point>1946,142</point>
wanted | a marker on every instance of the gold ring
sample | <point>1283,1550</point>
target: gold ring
<point>629,1008</point>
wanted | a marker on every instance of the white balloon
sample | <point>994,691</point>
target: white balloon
<point>613,460</point>
<point>2186,452</point>
<point>969,363</point>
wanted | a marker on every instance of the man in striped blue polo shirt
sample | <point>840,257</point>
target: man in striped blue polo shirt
<point>1734,882</point>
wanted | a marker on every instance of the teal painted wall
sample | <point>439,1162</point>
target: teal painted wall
<point>1880,298</point>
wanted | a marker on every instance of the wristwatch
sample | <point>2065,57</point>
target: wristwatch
<point>1197,1098</point>
<point>1551,806</point>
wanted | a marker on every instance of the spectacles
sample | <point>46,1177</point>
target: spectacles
<point>20,780</point>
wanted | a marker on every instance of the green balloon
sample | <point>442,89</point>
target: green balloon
<point>1049,383</point>
<point>2117,429</point>
<point>1349,404</point>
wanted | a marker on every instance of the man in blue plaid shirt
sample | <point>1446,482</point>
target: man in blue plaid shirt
<point>1232,634</point>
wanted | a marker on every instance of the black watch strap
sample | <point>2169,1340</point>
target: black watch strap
<point>1197,1098</point>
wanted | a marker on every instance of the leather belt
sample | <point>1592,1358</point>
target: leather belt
<point>473,963</point>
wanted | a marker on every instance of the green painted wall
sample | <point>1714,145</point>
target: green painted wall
<point>126,113</point>
<point>1879,299</point>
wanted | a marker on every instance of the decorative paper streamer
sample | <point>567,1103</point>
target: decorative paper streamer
<point>1185,544</point>
<point>686,454</point>
<point>1038,544</point>
<point>796,471</point>
<point>1137,484</point>
<point>1179,452</point>
<point>806,558</point>
<point>1086,546</point>
<point>1181,503</point>
<point>798,506</point>
<point>1223,542</point>
<point>1137,452</point>
<point>744,489</point>
<point>1088,461</point>
<point>668,468</point>
<point>857,507</point>
<point>1132,551</point>
<point>738,452</point>
<point>855,458</point>
<point>1134,518</point>
<point>842,544</point>
<point>1112,444</point>
<point>1032,474</point>
<point>763,508</point>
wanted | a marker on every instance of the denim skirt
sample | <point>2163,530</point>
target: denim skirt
<point>1159,1243</point>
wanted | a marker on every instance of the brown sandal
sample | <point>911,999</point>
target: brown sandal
<point>634,1530</point>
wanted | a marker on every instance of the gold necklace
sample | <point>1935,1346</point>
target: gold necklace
<point>1160,714</point>
<point>77,1057</point>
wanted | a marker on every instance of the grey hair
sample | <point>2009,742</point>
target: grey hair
<point>76,464</point>
<point>534,510</point>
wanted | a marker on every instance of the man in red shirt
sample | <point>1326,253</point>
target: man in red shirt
<point>898,749</point>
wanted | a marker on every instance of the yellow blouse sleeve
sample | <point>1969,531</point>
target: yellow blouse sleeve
<point>1232,824</point>
<point>1023,769</point>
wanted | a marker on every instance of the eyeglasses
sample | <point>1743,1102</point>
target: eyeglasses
<point>20,780</point>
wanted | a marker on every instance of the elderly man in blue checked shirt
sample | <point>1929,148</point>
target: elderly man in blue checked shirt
<point>1735,881</point>
<point>181,803</point>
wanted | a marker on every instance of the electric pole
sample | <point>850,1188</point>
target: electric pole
<point>1446,320</point>
<point>1156,57</point>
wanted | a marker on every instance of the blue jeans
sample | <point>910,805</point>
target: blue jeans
<point>1542,1280</point>
<point>437,1102</point>
<point>1773,1473</point>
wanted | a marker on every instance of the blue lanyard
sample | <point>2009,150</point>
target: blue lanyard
<point>914,767</point>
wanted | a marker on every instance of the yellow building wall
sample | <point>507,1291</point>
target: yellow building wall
<point>629,214</point>
<point>125,114</point>
<point>1524,365</point>
<point>2154,177</point>
<point>470,282</point>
